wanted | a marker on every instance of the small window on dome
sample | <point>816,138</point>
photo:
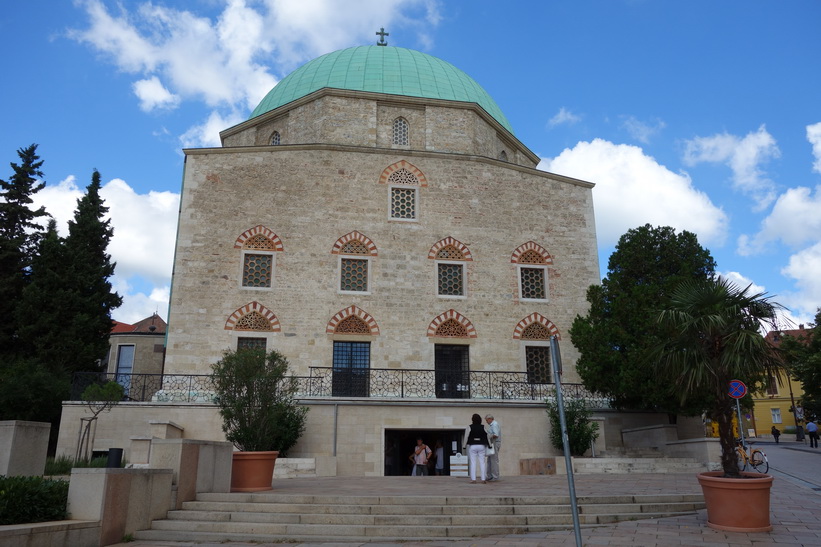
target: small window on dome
<point>400,132</point>
<point>503,155</point>
<point>275,139</point>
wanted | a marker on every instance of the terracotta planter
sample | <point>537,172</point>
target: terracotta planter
<point>737,505</point>
<point>252,471</point>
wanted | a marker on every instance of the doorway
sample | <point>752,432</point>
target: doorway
<point>452,371</point>
<point>400,444</point>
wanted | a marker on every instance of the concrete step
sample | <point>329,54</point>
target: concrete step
<point>296,518</point>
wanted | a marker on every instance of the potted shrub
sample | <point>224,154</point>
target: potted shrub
<point>714,337</point>
<point>260,414</point>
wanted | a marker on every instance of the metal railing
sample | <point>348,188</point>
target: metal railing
<point>325,382</point>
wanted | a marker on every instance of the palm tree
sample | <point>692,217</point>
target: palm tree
<point>714,337</point>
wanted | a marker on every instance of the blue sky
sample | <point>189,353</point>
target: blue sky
<point>704,116</point>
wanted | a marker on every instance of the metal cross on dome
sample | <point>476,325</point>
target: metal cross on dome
<point>382,35</point>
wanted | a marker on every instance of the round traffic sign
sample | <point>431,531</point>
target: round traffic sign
<point>737,389</point>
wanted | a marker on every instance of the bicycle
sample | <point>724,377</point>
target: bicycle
<point>756,459</point>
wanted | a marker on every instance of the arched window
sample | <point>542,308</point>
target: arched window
<point>352,358</point>
<point>355,251</point>
<point>451,274</point>
<point>253,324</point>
<point>404,181</point>
<point>532,261</point>
<point>404,195</point>
<point>258,247</point>
<point>275,139</point>
<point>400,132</point>
<point>534,332</point>
<point>503,155</point>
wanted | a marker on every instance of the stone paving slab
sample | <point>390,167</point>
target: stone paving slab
<point>795,511</point>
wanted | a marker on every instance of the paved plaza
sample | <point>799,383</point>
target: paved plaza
<point>795,505</point>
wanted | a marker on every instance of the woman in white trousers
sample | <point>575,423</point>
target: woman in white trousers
<point>476,441</point>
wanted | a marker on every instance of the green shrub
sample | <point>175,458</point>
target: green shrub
<point>62,465</point>
<point>581,432</point>
<point>32,499</point>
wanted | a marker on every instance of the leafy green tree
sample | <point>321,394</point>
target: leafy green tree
<point>20,233</point>
<point>581,431</point>
<point>620,325</point>
<point>803,360</point>
<point>715,337</point>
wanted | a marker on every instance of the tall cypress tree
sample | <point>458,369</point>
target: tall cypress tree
<point>20,233</point>
<point>34,382</point>
<point>89,268</point>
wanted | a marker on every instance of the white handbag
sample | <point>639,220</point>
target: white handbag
<point>491,450</point>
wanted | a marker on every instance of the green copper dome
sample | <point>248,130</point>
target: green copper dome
<point>380,69</point>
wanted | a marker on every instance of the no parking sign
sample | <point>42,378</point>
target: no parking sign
<point>737,389</point>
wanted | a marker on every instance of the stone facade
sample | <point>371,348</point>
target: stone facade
<point>402,221</point>
<point>310,196</point>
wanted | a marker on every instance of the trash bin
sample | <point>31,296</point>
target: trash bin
<point>799,433</point>
<point>115,457</point>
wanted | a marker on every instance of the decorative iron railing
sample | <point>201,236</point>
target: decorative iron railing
<point>325,382</point>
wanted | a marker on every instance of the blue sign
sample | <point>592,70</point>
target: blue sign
<point>737,389</point>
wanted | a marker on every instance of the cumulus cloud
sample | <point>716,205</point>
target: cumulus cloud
<point>633,189</point>
<point>795,220</point>
<point>153,94</point>
<point>140,246</point>
<point>814,136</point>
<point>743,282</point>
<point>208,134</point>
<point>744,156</point>
<point>642,131</point>
<point>803,267</point>
<point>563,117</point>
<point>228,61</point>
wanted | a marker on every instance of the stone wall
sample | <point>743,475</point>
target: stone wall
<point>311,197</point>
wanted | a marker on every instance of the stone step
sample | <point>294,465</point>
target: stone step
<point>264,517</point>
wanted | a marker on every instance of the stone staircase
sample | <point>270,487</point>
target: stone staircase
<point>265,517</point>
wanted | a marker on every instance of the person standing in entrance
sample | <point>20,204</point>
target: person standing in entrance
<point>812,433</point>
<point>494,433</point>
<point>477,442</point>
<point>420,457</point>
<point>439,454</point>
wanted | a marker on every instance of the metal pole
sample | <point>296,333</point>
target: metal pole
<point>556,358</point>
<point>740,424</point>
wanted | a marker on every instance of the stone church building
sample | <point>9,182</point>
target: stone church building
<point>378,222</point>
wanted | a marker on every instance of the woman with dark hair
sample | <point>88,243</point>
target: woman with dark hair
<point>477,443</point>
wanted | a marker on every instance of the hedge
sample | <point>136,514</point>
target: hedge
<point>25,500</point>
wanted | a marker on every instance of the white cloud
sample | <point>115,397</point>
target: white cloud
<point>794,220</point>
<point>642,131</point>
<point>744,157</point>
<point>563,116</point>
<point>226,62</point>
<point>803,267</point>
<point>141,245</point>
<point>153,94</point>
<point>632,189</point>
<point>814,136</point>
<point>742,282</point>
<point>207,134</point>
